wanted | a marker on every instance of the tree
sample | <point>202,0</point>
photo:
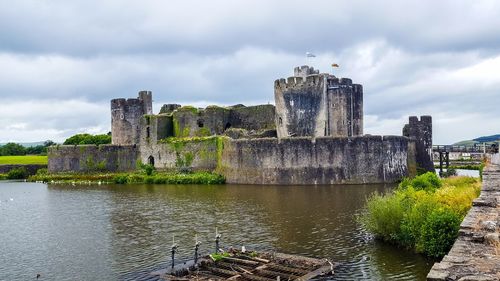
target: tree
<point>12,149</point>
<point>38,149</point>
<point>79,139</point>
<point>48,143</point>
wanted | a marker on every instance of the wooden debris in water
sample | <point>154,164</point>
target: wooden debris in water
<point>251,266</point>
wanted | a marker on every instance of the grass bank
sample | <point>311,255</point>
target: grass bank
<point>23,160</point>
<point>423,214</point>
<point>131,178</point>
<point>3,176</point>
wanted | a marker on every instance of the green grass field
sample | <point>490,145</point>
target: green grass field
<point>25,159</point>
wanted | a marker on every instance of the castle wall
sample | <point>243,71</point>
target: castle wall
<point>147,101</point>
<point>316,105</point>
<point>92,158</point>
<point>214,120</point>
<point>299,105</point>
<point>356,160</point>
<point>189,154</point>
<point>125,118</point>
<point>257,117</point>
<point>421,132</point>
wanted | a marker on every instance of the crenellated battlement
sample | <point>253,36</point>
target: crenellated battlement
<point>314,79</point>
<point>304,71</point>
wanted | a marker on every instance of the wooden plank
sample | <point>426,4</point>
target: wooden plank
<point>241,261</point>
<point>320,271</point>
<point>282,275</point>
<point>225,272</point>
<point>256,278</point>
<point>287,269</point>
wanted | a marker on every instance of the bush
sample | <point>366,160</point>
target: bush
<point>147,169</point>
<point>385,216</point>
<point>428,182</point>
<point>423,213</point>
<point>450,172</point>
<point>120,179</point>
<point>170,178</point>
<point>3,176</point>
<point>17,174</point>
<point>42,172</point>
<point>439,232</point>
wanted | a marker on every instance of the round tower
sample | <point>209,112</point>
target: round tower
<point>318,104</point>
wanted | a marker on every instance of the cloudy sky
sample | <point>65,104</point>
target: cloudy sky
<point>62,61</point>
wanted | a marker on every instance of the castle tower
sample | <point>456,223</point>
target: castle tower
<point>314,104</point>
<point>125,118</point>
<point>420,131</point>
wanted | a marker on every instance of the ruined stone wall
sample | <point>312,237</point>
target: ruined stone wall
<point>92,158</point>
<point>169,108</point>
<point>154,128</point>
<point>356,160</point>
<point>476,253</point>
<point>257,117</point>
<point>125,118</point>
<point>421,132</point>
<point>215,120</point>
<point>30,168</point>
<point>147,101</point>
<point>315,105</point>
<point>185,154</point>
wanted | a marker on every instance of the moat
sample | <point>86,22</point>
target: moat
<point>123,232</point>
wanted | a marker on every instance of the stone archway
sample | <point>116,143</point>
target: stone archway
<point>151,160</point>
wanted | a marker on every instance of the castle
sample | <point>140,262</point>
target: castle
<point>313,135</point>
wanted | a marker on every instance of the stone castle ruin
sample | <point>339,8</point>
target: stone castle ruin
<point>314,135</point>
<point>318,105</point>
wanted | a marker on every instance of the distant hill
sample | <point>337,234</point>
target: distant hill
<point>488,138</point>
<point>27,144</point>
<point>480,140</point>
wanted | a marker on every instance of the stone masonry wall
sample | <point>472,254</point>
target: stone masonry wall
<point>92,158</point>
<point>475,256</point>
<point>317,105</point>
<point>420,131</point>
<point>356,160</point>
<point>215,120</point>
<point>193,154</point>
<point>126,115</point>
<point>30,168</point>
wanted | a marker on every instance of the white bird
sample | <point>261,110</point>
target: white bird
<point>11,199</point>
<point>310,55</point>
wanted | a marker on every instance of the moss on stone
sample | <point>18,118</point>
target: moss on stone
<point>188,108</point>
<point>203,132</point>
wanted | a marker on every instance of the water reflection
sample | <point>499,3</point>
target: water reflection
<point>123,232</point>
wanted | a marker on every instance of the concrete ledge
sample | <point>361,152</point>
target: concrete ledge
<point>476,253</point>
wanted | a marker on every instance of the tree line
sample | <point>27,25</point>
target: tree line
<point>11,148</point>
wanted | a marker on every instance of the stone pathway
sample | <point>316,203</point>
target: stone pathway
<point>475,256</point>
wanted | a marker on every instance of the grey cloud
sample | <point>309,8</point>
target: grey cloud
<point>412,57</point>
<point>88,28</point>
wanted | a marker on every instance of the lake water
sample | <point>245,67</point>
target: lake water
<point>123,232</point>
